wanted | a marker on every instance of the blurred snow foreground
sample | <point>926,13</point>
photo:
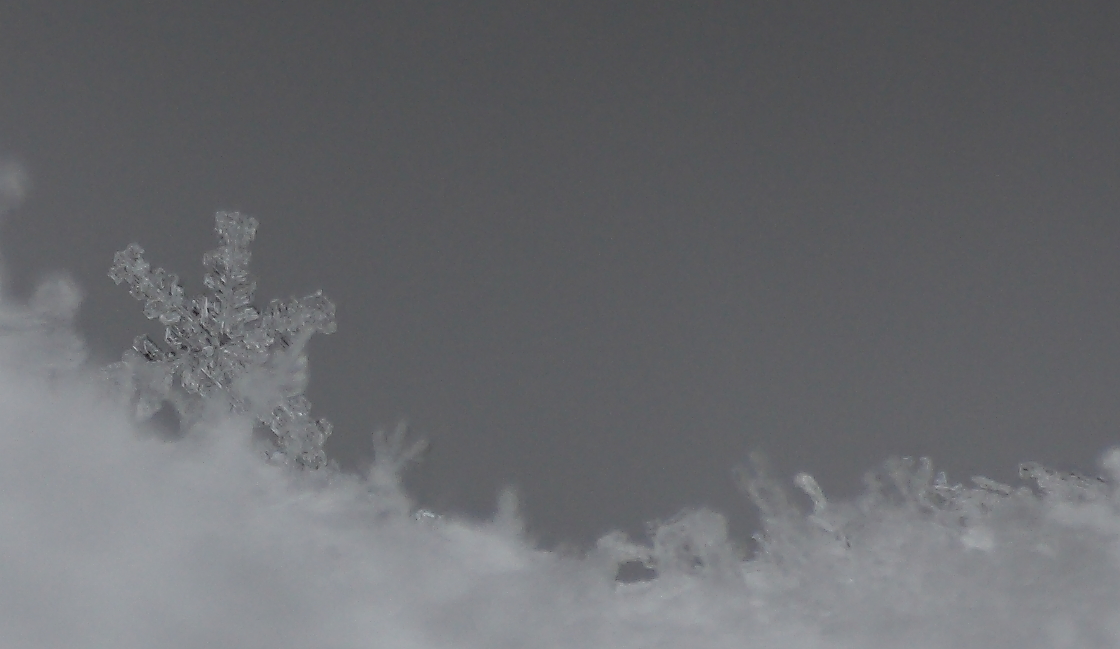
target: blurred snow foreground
<point>111,536</point>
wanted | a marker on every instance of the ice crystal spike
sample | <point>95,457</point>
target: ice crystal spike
<point>808,484</point>
<point>392,452</point>
<point>222,347</point>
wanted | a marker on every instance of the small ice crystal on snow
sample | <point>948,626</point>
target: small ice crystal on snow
<point>1069,485</point>
<point>391,453</point>
<point>694,542</point>
<point>221,348</point>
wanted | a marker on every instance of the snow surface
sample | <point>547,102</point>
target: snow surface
<point>113,536</point>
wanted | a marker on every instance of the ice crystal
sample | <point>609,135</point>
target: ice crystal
<point>221,349</point>
<point>1072,486</point>
<point>392,452</point>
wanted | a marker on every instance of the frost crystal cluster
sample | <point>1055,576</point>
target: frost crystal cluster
<point>220,349</point>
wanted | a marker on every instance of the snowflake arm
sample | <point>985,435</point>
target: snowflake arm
<point>220,346</point>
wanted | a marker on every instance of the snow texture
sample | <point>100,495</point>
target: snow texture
<point>110,537</point>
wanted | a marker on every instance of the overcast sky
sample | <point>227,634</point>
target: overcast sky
<point>600,250</point>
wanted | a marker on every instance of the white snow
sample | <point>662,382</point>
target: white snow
<point>112,536</point>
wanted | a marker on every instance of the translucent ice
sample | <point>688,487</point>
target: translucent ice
<point>220,349</point>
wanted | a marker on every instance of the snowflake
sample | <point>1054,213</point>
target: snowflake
<point>220,349</point>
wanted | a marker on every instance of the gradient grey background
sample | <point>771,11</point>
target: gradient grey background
<point>599,250</point>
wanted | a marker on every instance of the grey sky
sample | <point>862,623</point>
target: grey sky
<point>600,250</point>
